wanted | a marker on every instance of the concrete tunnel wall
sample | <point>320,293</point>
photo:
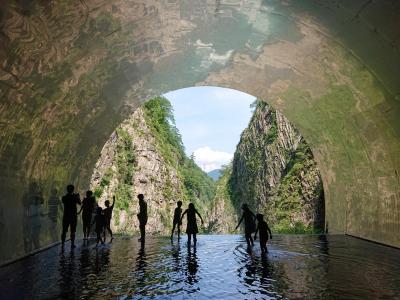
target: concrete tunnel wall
<point>72,70</point>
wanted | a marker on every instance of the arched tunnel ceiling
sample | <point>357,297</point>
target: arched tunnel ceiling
<point>71,70</point>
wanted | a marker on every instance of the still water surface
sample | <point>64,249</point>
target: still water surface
<point>296,267</point>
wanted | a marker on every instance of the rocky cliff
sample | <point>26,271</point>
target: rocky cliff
<point>145,155</point>
<point>222,215</point>
<point>273,170</point>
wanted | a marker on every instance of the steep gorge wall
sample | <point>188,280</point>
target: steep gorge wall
<point>141,156</point>
<point>149,173</point>
<point>68,69</point>
<point>273,170</point>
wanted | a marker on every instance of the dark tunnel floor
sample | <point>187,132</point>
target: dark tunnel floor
<point>303,266</point>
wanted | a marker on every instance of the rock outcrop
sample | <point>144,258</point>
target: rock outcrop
<point>273,170</point>
<point>144,155</point>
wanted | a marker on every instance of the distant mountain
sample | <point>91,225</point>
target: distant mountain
<point>215,174</point>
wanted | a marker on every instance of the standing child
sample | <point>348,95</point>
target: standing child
<point>99,222</point>
<point>191,228</point>
<point>177,219</point>
<point>107,212</point>
<point>249,224</point>
<point>263,228</point>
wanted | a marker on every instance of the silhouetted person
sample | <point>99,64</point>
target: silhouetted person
<point>99,223</point>
<point>249,224</point>
<point>142,216</point>
<point>107,212</point>
<point>70,217</point>
<point>87,209</point>
<point>191,227</point>
<point>177,219</point>
<point>263,229</point>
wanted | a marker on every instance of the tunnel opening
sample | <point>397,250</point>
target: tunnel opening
<point>72,71</point>
<point>270,165</point>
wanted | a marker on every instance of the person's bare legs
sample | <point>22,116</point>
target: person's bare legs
<point>194,239</point>
<point>248,241</point>
<point>251,240</point>
<point>173,229</point>
<point>179,231</point>
<point>189,239</point>
<point>110,232</point>
<point>142,233</point>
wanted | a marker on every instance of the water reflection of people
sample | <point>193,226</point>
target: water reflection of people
<point>141,266</point>
<point>69,280</point>
<point>192,267</point>
<point>33,212</point>
<point>176,257</point>
<point>102,260</point>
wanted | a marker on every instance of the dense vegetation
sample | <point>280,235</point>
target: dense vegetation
<point>199,188</point>
<point>287,199</point>
<point>279,181</point>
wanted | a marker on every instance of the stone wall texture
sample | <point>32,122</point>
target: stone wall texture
<point>71,71</point>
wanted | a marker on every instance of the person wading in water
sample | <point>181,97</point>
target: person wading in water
<point>264,230</point>
<point>191,228</point>
<point>249,224</point>
<point>70,217</point>
<point>87,209</point>
<point>142,216</point>
<point>107,212</point>
<point>177,220</point>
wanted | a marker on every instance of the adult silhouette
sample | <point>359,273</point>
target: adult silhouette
<point>191,227</point>
<point>249,224</point>
<point>70,217</point>
<point>142,216</point>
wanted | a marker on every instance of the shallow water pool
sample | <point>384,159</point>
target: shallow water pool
<point>220,267</point>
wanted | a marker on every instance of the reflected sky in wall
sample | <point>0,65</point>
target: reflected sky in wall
<point>210,120</point>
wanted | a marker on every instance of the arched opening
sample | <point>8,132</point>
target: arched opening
<point>270,166</point>
<point>72,71</point>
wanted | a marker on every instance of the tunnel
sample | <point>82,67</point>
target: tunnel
<point>71,71</point>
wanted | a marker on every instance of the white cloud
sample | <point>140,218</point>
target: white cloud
<point>208,159</point>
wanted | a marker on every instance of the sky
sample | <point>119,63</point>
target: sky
<point>210,120</point>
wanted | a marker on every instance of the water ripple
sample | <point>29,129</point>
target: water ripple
<point>220,267</point>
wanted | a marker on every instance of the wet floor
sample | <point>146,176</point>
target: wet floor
<point>296,267</point>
